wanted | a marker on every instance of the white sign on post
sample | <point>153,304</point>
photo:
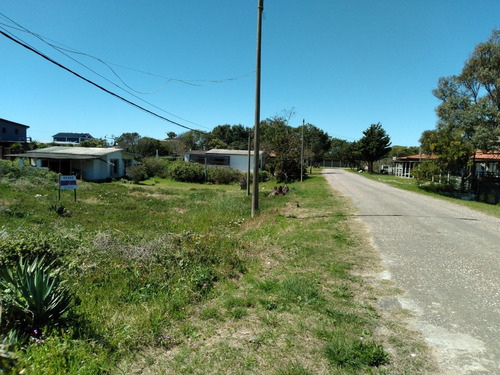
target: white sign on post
<point>67,183</point>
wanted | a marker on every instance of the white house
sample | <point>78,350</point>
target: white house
<point>89,163</point>
<point>235,159</point>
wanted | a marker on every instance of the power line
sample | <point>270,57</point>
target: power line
<point>95,84</point>
<point>111,82</point>
<point>107,63</point>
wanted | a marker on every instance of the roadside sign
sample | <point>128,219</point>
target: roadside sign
<point>67,182</point>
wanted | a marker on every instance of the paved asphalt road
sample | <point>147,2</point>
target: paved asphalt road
<point>447,258</point>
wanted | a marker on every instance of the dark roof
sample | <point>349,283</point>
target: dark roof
<point>13,123</point>
<point>67,135</point>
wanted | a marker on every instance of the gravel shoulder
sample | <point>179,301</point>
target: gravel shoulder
<point>447,260</point>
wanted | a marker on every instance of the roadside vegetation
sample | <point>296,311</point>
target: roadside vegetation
<point>172,277</point>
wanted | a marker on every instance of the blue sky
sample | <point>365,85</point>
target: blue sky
<point>341,65</point>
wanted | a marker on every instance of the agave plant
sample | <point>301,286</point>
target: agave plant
<point>35,290</point>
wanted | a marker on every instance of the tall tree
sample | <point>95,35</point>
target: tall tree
<point>194,140</point>
<point>317,142</point>
<point>128,141</point>
<point>470,102</point>
<point>469,112</point>
<point>234,137</point>
<point>451,150</point>
<point>374,145</point>
<point>351,154</point>
<point>398,151</point>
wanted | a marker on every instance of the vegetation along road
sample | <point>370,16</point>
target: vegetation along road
<point>446,258</point>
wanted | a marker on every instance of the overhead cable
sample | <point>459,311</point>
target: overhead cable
<point>111,82</point>
<point>196,82</point>
<point>95,84</point>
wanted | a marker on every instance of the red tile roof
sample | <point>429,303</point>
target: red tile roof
<point>491,155</point>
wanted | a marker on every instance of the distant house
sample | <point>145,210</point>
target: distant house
<point>487,163</point>
<point>88,163</point>
<point>11,133</point>
<point>404,164</point>
<point>71,137</point>
<point>235,159</point>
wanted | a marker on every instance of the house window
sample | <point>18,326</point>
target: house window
<point>197,158</point>
<point>219,159</point>
<point>4,130</point>
<point>16,131</point>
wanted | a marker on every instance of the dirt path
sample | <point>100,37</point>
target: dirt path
<point>447,259</point>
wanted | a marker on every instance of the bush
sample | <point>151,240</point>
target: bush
<point>223,176</point>
<point>29,244</point>
<point>426,171</point>
<point>265,176</point>
<point>25,178</point>
<point>7,168</point>
<point>137,173</point>
<point>155,167</point>
<point>186,171</point>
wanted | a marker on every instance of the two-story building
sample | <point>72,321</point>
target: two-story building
<point>12,134</point>
<point>71,137</point>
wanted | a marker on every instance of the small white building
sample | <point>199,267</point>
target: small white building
<point>235,159</point>
<point>88,163</point>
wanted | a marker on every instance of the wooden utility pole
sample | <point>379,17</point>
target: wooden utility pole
<point>256,148</point>
<point>302,153</point>
<point>248,165</point>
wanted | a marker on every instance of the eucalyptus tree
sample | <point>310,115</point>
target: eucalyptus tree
<point>469,112</point>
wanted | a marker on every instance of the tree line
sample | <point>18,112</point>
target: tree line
<point>280,142</point>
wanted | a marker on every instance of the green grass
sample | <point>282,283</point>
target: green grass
<point>411,184</point>
<point>177,278</point>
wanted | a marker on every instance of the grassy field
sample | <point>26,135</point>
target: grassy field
<point>177,278</point>
<point>411,184</point>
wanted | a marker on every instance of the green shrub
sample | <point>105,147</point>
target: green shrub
<point>31,244</point>
<point>9,168</point>
<point>137,173</point>
<point>425,171</point>
<point>33,294</point>
<point>26,178</point>
<point>223,176</point>
<point>186,171</point>
<point>156,167</point>
<point>265,176</point>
